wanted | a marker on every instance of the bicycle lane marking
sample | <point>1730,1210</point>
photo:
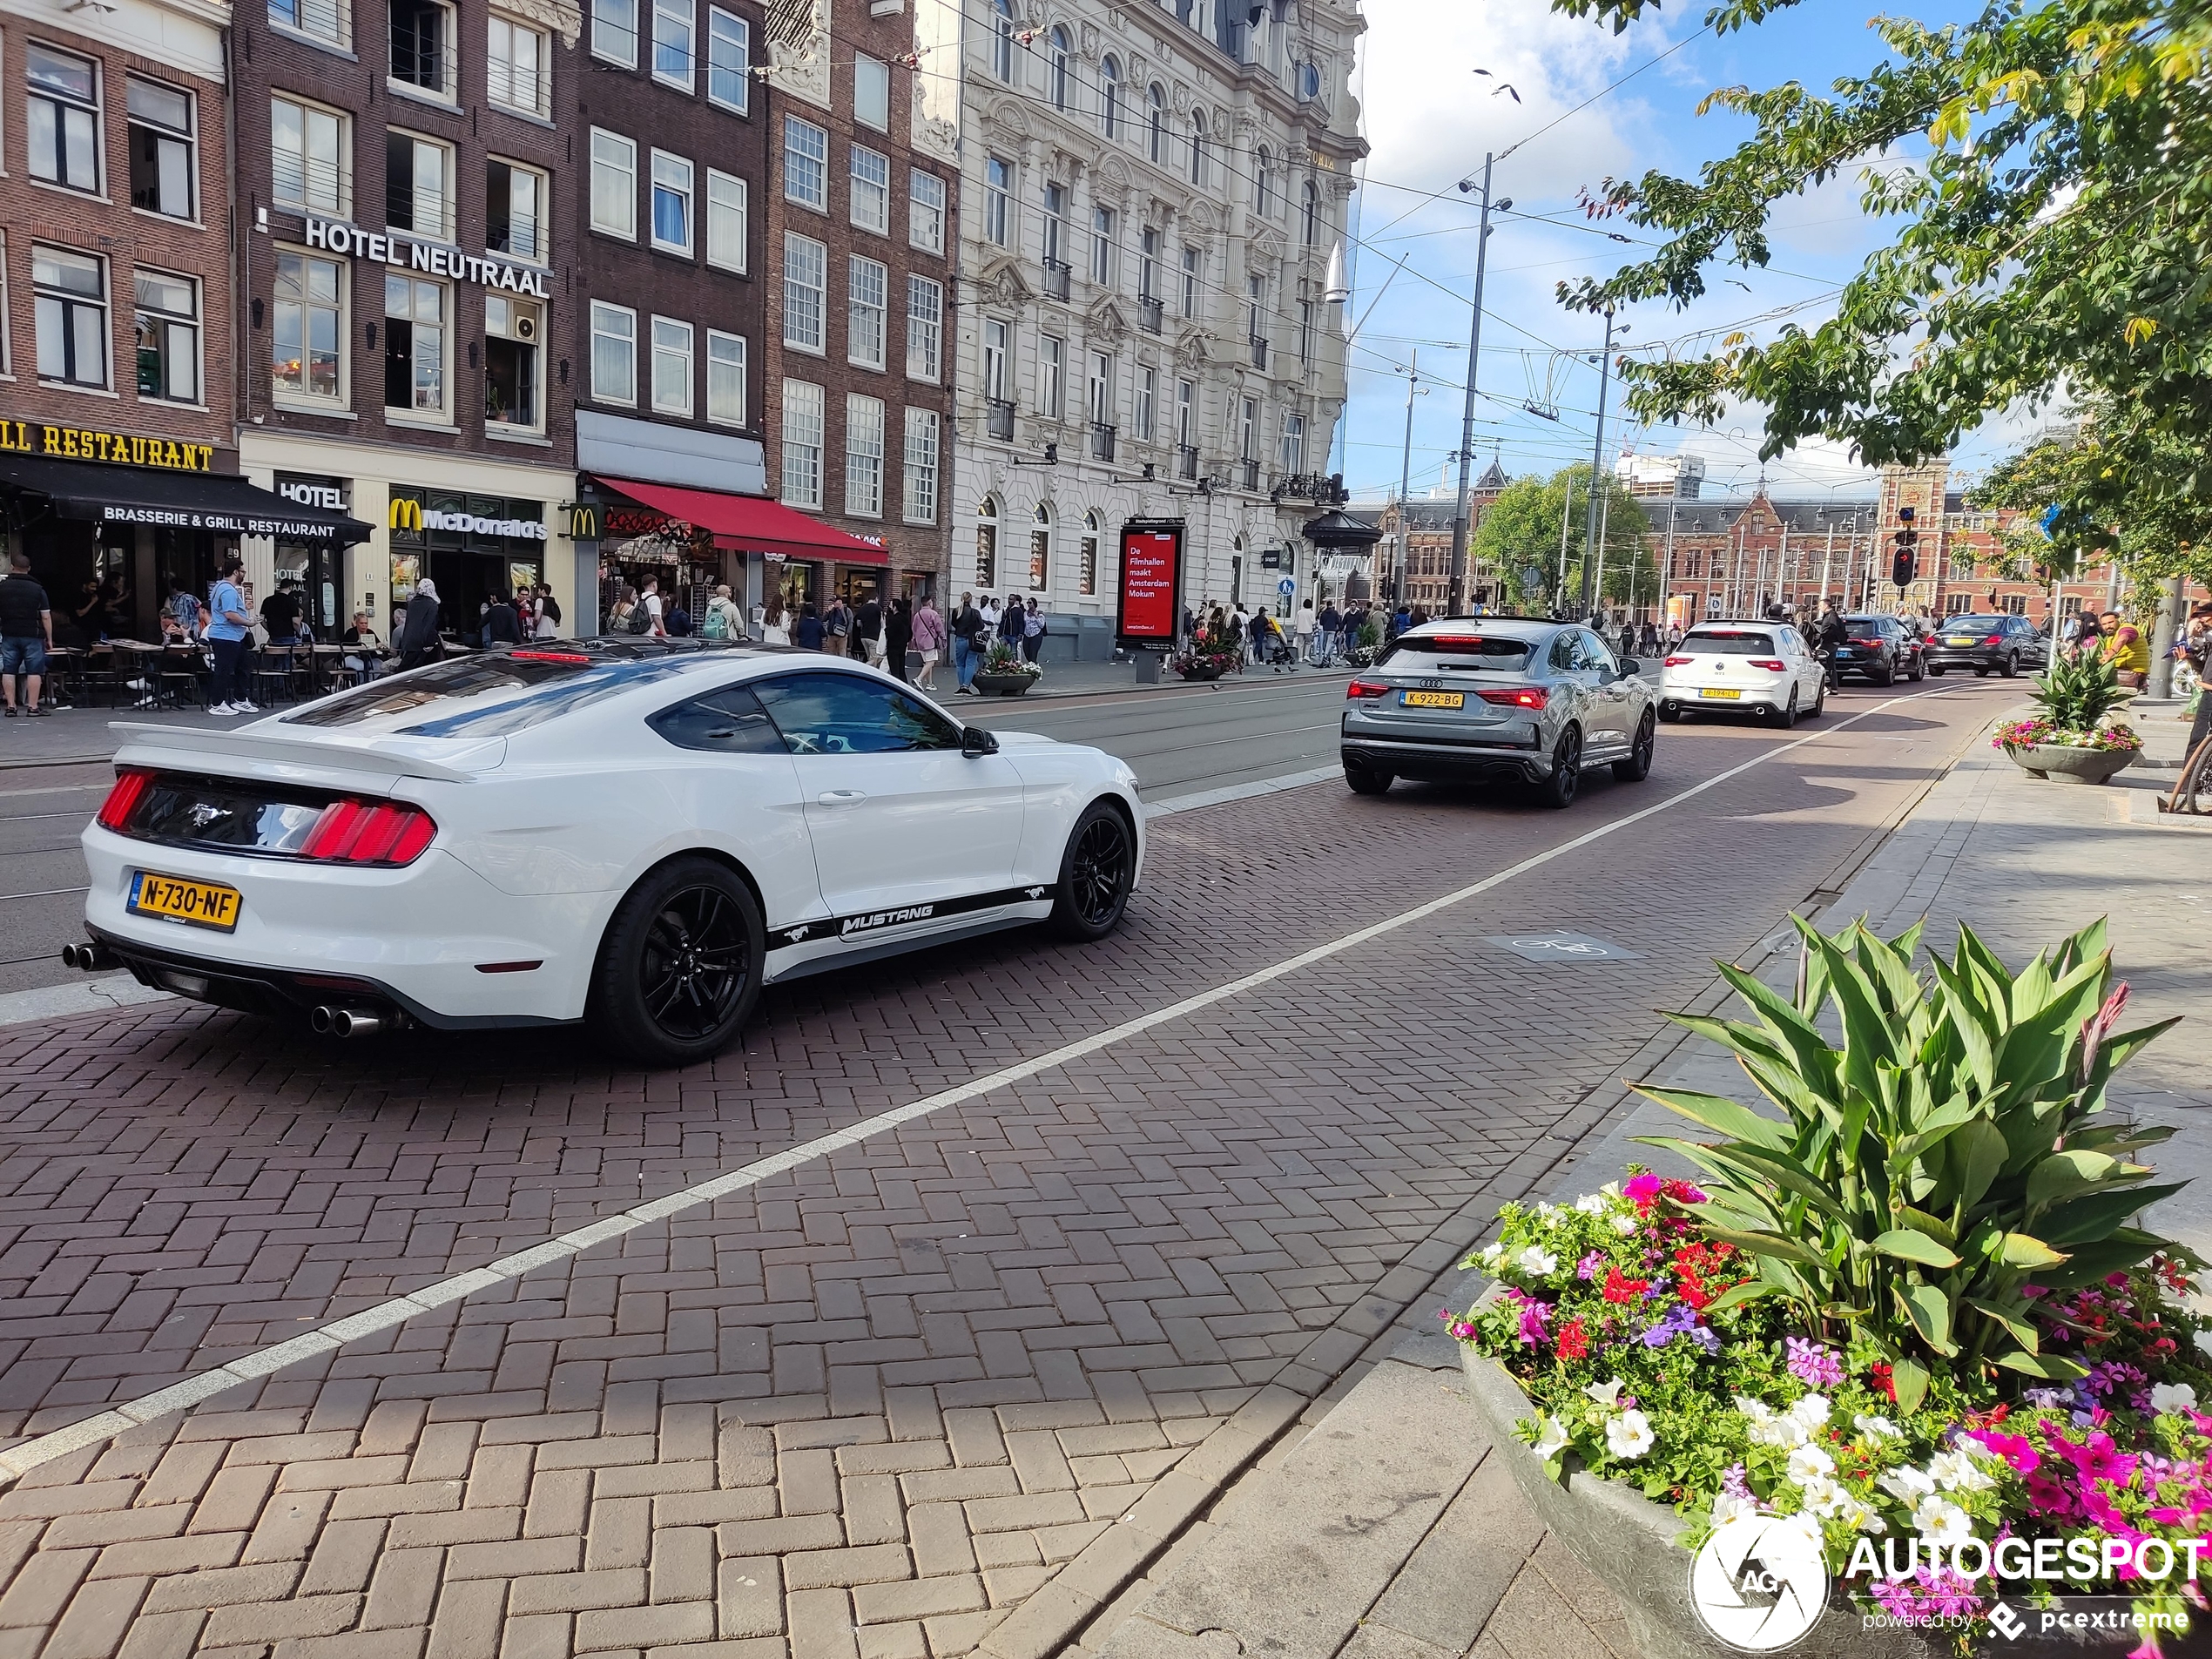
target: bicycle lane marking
<point>179,1397</point>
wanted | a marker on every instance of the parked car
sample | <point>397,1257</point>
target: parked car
<point>1762,667</point>
<point>1881,649</point>
<point>1497,696</point>
<point>2001,644</point>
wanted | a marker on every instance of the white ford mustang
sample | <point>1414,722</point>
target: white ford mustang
<point>632,836</point>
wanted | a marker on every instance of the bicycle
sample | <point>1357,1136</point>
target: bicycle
<point>2193,789</point>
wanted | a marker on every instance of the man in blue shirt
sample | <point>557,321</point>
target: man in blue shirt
<point>229,629</point>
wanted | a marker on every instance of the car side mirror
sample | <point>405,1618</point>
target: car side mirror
<point>975,743</point>
<point>1630,668</point>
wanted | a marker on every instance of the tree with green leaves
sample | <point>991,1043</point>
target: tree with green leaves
<point>1519,534</point>
<point>2051,164</point>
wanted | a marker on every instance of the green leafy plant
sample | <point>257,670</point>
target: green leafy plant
<point>1004,657</point>
<point>2079,690</point>
<point>1940,1169</point>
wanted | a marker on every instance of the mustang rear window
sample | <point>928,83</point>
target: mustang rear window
<point>488,697</point>
<point>1730,642</point>
<point>1478,651</point>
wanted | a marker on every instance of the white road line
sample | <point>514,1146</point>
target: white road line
<point>17,1460</point>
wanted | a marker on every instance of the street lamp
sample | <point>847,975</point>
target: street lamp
<point>1456,599</point>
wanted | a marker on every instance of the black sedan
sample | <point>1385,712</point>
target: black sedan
<point>1880,647</point>
<point>1986,643</point>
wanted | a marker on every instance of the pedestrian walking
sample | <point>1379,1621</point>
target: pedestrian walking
<point>969,631</point>
<point>775,625</point>
<point>1032,633</point>
<point>1830,641</point>
<point>810,634</point>
<point>1304,626</point>
<point>837,625</point>
<point>419,640</point>
<point>723,619</point>
<point>897,637</point>
<point>1331,625</point>
<point>649,618</point>
<point>929,638</point>
<point>26,636</point>
<point>866,639</point>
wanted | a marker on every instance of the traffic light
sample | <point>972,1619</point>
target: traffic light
<point>1906,559</point>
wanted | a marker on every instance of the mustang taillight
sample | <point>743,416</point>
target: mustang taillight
<point>1680,662</point>
<point>548,656</point>
<point>360,832</point>
<point>1366,689</point>
<point>130,787</point>
<point>1772,665</point>
<point>1526,697</point>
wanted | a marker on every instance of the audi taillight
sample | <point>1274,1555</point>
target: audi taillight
<point>360,832</point>
<point>1773,665</point>
<point>1362,689</point>
<point>1680,662</point>
<point>130,786</point>
<point>1525,696</point>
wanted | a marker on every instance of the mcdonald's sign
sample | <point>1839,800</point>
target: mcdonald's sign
<point>407,514</point>
<point>583,522</point>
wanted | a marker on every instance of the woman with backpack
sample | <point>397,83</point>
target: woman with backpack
<point>625,606</point>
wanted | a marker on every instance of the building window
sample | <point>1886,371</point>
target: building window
<point>729,59</point>
<point>871,93</point>
<point>1056,233</point>
<point>1040,549</point>
<point>518,67</point>
<point>614,185</point>
<point>726,220</point>
<point>1197,147</point>
<point>921,474</point>
<point>1104,223</point>
<point>1148,265</point>
<point>414,345</point>
<point>671,204</point>
<point>925,327</point>
<point>328,21</point>
<point>672,28</point>
<point>1109,97</point>
<point>724,378</point>
<point>512,331</point>
<point>987,540</point>
<point>418,187</point>
<point>671,367</point>
<point>422,53</point>
<point>1293,445</point>
<point>995,378</point>
<point>613,353</point>
<point>1148,392</point>
<point>1309,213</point>
<point>805,164</point>
<point>1002,40</point>
<point>1192,262</point>
<point>805,291</point>
<point>515,198</point>
<point>998,191</point>
<point>868,303</point>
<point>161,148</point>
<point>308,328</point>
<point>167,331</point>
<point>870,208</point>
<point>1057,78</point>
<point>1263,184</point>
<point>1102,389</point>
<point>71,292</point>
<point>1156,125</point>
<point>614,32</point>
<point>1186,415</point>
<point>1305,332</point>
<point>802,444</point>
<point>864,456</point>
<point>925,211</point>
<point>311,157</point>
<point>1087,559</point>
<point>1052,368</point>
<point>1248,429</point>
<point>62,117</point>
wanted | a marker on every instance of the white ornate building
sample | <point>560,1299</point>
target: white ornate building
<point>1149,201</point>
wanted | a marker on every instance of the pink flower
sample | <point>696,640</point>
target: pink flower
<point>2098,1459</point>
<point>1532,1323</point>
<point>2013,1448</point>
<point>2046,1497</point>
<point>1641,1190</point>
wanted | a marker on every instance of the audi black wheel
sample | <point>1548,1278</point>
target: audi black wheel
<point>1097,873</point>
<point>1558,790</point>
<point>680,971</point>
<point>1637,766</point>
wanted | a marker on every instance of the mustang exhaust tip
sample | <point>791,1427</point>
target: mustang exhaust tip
<point>90,957</point>
<point>326,1021</point>
<point>319,1020</point>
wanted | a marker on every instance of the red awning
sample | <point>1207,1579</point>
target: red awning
<point>752,524</point>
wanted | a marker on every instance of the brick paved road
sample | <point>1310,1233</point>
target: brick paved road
<point>948,1388</point>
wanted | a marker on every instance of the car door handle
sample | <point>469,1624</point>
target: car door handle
<point>842,797</point>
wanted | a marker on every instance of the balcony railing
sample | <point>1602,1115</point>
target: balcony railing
<point>998,420</point>
<point>1259,352</point>
<point>1186,463</point>
<point>1324,489</point>
<point>1148,313</point>
<point>1055,279</point>
<point>1248,472</point>
<point>1102,441</point>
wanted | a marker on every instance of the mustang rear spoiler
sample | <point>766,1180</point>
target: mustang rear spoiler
<point>298,759</point>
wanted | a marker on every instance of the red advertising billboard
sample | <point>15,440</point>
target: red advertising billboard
<point>1151,598</point>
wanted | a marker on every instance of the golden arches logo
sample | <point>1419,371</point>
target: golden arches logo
<point>407,514</point>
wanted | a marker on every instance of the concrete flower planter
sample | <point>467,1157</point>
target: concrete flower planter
<point>2072,764</point>
<point>1005,685</point>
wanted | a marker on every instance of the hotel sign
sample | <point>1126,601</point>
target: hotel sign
<point>387,248</point>
<point>90,443</point>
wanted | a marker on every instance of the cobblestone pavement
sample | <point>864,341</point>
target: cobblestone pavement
<point>948,1386</point>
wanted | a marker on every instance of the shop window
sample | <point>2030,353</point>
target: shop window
<point>168,332</point>
<point>518,66</point>
<point>726,220</point>
<point>925,327</point>
<point>72,303</point>
<point>307,329</point>
<point>63,118</point>
<point>613,353</point>
<point>418,185</point>
<point>414,345</point>
<point>513,331</point>
<point>805,291</point>
<point>925,211</point>
<point>729,60</point>
<point>327,21</point>
<point>671,203</point>
<point>614,185</point>
<point>671,367</point>
<point>614,32</point>
<point>672,27</point>
<point>725,371</point>
<point>423,58</point>
<point>871,93</point>
<point>802,482</point>
<point>871,206</point>
<point>161,148</point>
<point>805,164</point>
<point>864,456</point>
<point>865,321</point>
<point>311,157</point>
<point>515,202</point>
<point>921,461</point>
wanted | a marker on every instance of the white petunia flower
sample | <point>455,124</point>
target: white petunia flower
<point>1907,1482</point>
<point>1551,1438</point>
<point>1769,1426</point>
<point>1727,1507</point>
<point>1623,1223</point>
<point>1492,1255</point>
<point>1629,1434</point>
<point>1536,1261</point>
<point>1822,1494</point>
<point>1810,1413</point>
<point>1591,1203</point>
<point>1606,1394</point>
<point>1942,1522</point>
<point>1874,1427</point>
<point>1863,1516</point>
<point>2172,1396</point>
<point>1805,1526</point>
<point>1548,1214</point>
<point>1956,1471</point>
<point>1809,1462</point>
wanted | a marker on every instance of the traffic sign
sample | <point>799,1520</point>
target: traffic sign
<point>1286,587</point>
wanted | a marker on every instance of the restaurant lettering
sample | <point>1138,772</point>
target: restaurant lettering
<point>433,257</point>
<point>288,530</point>
<point>117,448</point>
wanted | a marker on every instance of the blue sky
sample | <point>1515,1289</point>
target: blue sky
<point>1430,118</point>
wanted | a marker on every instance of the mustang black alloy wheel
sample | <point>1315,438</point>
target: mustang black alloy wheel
<point>679,970</point>
<point>1097,874</point>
